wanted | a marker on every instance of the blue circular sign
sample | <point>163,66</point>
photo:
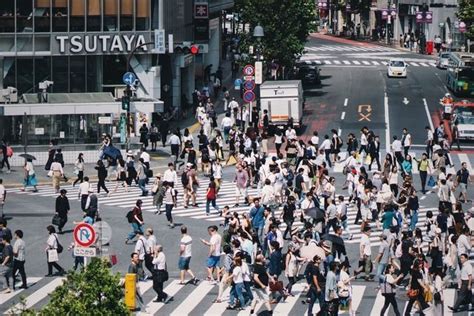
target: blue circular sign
<point>237,82</point>
<point>129,78</point>
<point>249,96</point>
<point>249,85</point>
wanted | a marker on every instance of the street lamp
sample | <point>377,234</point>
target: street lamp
<point>258,32</point>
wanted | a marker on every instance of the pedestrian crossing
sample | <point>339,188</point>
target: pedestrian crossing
<point>319,60</point>
<point>199,299</point>
<point>348,48</point>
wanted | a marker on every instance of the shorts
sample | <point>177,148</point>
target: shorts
<point>195,188</point>
<point>183,263</point>
<point>262,294</point>
<point>213,261</point>
<point>463,187</point>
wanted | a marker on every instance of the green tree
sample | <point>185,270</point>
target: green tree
<point>286,24</point>
<point>466,14</point>
<point>92,291</point>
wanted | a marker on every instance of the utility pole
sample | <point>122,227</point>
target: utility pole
<point>389,18</point>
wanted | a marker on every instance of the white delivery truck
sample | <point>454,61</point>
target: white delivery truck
<point>283,99</point>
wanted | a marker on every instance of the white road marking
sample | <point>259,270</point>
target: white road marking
<point>346,62</point>
<point>424,65</point>
<point>187,305</point>
<point>346,100</point>
<point>414,64</point>
<point>153,307</point>
<point>327,62</point>
<point>387,124</point>
<point>356,62</point>
<point>5,297</point>
<point>343,115</point>
<point>375,62</point>
<point>365,62</point>
<point>427,110</point>
<point>284,308</point>
<point>337,62</point>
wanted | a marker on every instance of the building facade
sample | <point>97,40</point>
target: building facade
<point>88,45</point>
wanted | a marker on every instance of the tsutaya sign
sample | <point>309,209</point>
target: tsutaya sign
<point>100,43</point>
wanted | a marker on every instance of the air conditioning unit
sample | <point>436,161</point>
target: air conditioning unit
<point>9,95</point>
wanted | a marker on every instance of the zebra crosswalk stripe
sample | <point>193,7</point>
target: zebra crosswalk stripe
<point>6,297</point>
<point>286,307</point>
<point>153,307</point>
<point>188,304</point>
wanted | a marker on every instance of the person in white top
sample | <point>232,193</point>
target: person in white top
<point>326,146</point>
<point>315,139</point>
<point>363,141</point>
<point>290,133</point>
<point>237,277</point>
<point>160,275</point>
<point>365,253</point>
<point>51,246</point>
<point>226,125</point>
<point>150,248</point>
<point>464,284</point>
<point>56,172</point>
<point>3,195</point>
<point>406,141</point>
<point>175,143</point>
<point>397,150</point>
<point>214,254</point>
<point>429,141</point>
<point>146,158</point>
<point>140,248</point>
<point>185,257</point>
<point>170,175</point>
<point>464,242</point>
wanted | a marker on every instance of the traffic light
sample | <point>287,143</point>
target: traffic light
<point>187,48</point>
<point>126,103</point>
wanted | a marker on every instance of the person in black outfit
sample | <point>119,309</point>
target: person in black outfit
<point>289,215</point>
<point>144,135</point>
<point>374,151</point>
<point>101,174</point>
<point>416,283</point>
<point>266,120</point>
<point>164,129</point>
<point>62,208</point>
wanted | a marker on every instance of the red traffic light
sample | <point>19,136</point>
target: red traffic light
<point>194,49</point>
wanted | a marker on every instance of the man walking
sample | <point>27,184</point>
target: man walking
<point>260,279</point>
<point>6,266</point>
<point>406,142</point>
<point>83,192</point>
<point>365,253</point>
<point>214,254</point>
<point>19,259</point>
<point>464,293</point>
<point>185,257</point>
<point>241,180</point>
<point>62,208</point>
<point>135,218</point>
<point>463,177</point>
<point>141,175</point>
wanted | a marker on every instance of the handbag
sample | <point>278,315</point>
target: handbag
<point>56,220</point>
<point>60,247</point>
<point>50,173</point>
<point>428,295</point>
<point>276,286</point>
<point>431,182</point>
<point>437,297</point>
<point>412,293</point>
<point>53,255</point>
<point>342,290</point>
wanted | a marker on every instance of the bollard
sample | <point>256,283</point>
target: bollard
<point>130,291</point>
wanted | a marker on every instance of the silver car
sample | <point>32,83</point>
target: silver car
<point>443,60</point>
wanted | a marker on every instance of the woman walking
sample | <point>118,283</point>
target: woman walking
<point>291,268</point>
<point>79,169</point>
<point>388,289</point>
<point>211,196</point>
<point>30,176</point>
<point>345,287</point>
<point>102,175</point>
<point>170,201</point>
<point>417,288</point>
<point>52,252</point>
<point>121,175</point>
<point>56,172</point>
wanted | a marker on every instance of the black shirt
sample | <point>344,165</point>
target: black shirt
<point>415,276</point>
<point>298,181</point>
<point>289,212</point>
<point>8,252</point>
<point>312,270</point>
<point>62,205</point>
<point>259,269</point>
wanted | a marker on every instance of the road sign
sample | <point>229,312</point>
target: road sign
<point>249,70</point>
<point>129,78</point>
<point>246,78</point>
<point>237,84</point>
<point>103,232</point>
<point>84,235</point>
<point>85,251</point>
<point>249,96</point>
<point>249,85</point>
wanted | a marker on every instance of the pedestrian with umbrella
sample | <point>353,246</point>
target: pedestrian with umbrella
<point>29,175</point>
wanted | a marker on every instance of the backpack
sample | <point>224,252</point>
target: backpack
<point>9,151</point>
<point>129,216</point>
<point>184,179</point>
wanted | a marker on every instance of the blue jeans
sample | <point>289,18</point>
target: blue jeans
<point>414,220</point>
<point>237,291</point>
<point>380,272</point>
<point>208,203</point>
<point>135,227</point>
<point>313,296</point>
<point>260,235</point>
<point>142,186</point>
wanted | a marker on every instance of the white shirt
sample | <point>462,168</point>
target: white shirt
<point>216,242</point>
<point>307,204</point>
<point>19,249</point>
<point>326,144</point>
<point>429,134</point>
<point>245,271</point>
<point>174,140</point>
<point>170,176</point>
<point>140,247</point>
<point>145,156</point>
<point>315,141</point>
<point>233,104</point>
<point>150,244</point>
<point>2,193</point>
<point>365,243</point>
<point>290,134</point>
<point>84,188</point>
<point>466,271</point>
<point>463,244</point>
<point>396,145</point>
<point>52,241</point>
<point>226,122</point>
<point>186,241</point>
<point>160,261</point>
<point>363,140</point>
<point>407,140</point>
<point>237,275</point>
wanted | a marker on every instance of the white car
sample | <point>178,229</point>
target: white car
<point>443,60</point>
<point>397,68</point>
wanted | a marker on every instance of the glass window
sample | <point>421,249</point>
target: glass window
<point>77,9</point>
<point>93,15</point>
<point>25,80</point>
<point>60,74</point>
<point>42,43</point>
<point>42,13</point>
<point>126,15</point>
<point>59,13</point>
<point>110,15</point>
<point>42,70</point>
<point>143,15</point>
<point>9,72</point>
<point>24,43</point>
<point>7,18</point>
<point>92,80</point>
<point>113,69</point>
<point>7,42</point>
<point>24,16</point>
<point>77,74</point>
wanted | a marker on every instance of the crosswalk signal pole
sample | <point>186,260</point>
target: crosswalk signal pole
<point>126,98</point>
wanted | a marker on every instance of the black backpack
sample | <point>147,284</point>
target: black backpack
<point>184,179</point>
<point>129,216</point>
